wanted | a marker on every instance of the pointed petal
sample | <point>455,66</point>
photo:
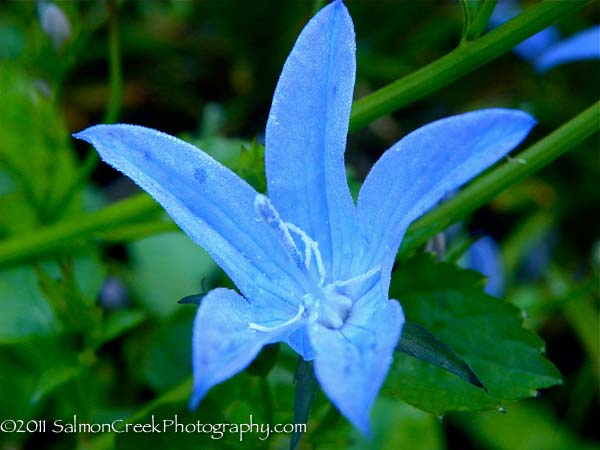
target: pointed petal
<point>208,201</point>
<point>351,363</point>
<point>306,135</point>
<point>581,46</point>
<point>300,343</point>
<point>223,343</point>
<point>420,169</point>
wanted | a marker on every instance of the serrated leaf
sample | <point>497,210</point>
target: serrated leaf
<point>485,331</point>
<point>418,342</point>
<point>305,394</point>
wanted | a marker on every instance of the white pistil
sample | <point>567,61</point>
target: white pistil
<point>262,328</point>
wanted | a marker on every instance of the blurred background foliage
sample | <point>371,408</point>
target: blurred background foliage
<point>96,330</point>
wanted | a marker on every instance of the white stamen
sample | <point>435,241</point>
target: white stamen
<point>358,279</point>
<point>257,327</point>
<point>305,239</point>
<point>266,211</point>
<point>311,247</point>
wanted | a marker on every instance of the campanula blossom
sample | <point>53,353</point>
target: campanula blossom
<point>582,46</point>
<point>546,49</point>
<point>312,267</point>
<point>484,256</point>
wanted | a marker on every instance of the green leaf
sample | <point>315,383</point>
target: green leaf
<point>37,152</point>
<point>484,331</point>
<point>23,310</point>
<point>118,323</point>
<point>306,392</point>
<point>397,425</point>
<point>418,342</point>
<point>524,425</point>
<point>52,379</point>
<point>167,360</point>
<point>232,402</point>
<point>19,379</point>
<point>252,165</point>
<point>166,268</point>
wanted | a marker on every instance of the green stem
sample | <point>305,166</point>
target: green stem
<point>61,203</point>
<point>69,233</point>
<point>464,59</point>
<point>114,59</point>
<point>132,232</point>
<point>112,110</point>
<point>488,186</point>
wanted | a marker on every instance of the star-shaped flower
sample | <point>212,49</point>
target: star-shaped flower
<point>313,269</point>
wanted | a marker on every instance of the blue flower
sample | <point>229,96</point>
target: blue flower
<point>531,48</point>
<point>484,256</point>
<point>313,269</point>
<point>545,50</point>
<point>584,45</point>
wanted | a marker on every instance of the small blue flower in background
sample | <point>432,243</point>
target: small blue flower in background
<point>584,45</point>
<point>484,256</point>
<point>546,49</point>
<point>313,269</point>
<point>54,22</point>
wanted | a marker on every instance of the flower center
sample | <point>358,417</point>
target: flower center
<point>328,305</point>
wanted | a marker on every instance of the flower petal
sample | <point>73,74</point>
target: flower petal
<point>581,46</point>
<point>351,363</point>
<point>223,343</point>
<point>299,340</point>
<point>532,47</point>
<point>415,173</point>
<point>306,136</point>
<point>209,202</point>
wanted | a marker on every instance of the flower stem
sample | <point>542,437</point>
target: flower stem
<point>489,185</point>
<point>467,57</point>
<point>69,233</point>
<point>114,60</point>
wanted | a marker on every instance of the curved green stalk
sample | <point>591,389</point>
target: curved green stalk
<point>464,59</point>
<point>114,60</point>
<point>69,233</point>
